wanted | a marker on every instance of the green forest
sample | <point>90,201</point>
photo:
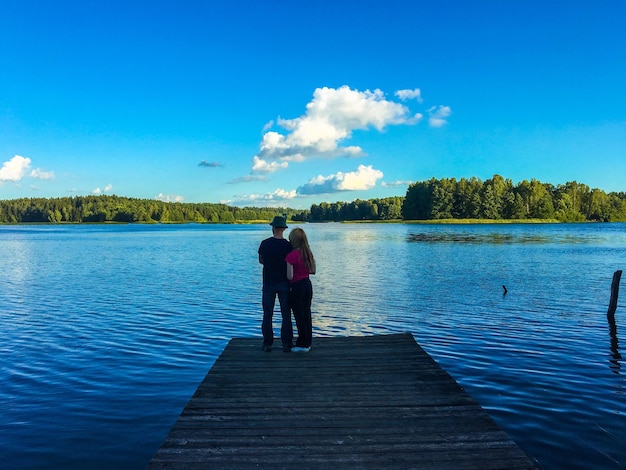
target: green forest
<point>435,199</point>
<point>105,208</point>
<point>498,198</point>
<point>494,199</point>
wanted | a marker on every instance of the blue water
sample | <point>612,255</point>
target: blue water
<point>106,331</point>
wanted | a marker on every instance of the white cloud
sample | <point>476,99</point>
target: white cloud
<point>415,94</point>
<point>438,114</point>
<point>332,116</point>
<point>263,166</point>
<point>278,196</point>
<point>169,198</point>
<point>15,169</point>
<point>107,188</point>
<point>365,177</point>
<point>38,173</point>
<point>393,184</point>
<point>18,167</point>
<point>248,179</point>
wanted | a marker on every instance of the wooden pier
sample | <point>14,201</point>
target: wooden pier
<point>351,402</point>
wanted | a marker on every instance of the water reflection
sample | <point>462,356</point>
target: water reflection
<point>616,357</point>
<point>494,238</point>
<point>452,237</point>
<point>17,262</point>
<point>610,314</point>
<point>102,353</point>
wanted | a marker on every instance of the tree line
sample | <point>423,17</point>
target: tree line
<point>109,208</point>
<point>389,208</point>
<point>498,198</point>
<point>494,199</point>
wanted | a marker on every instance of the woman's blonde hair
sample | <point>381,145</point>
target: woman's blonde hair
<point>298,240</point>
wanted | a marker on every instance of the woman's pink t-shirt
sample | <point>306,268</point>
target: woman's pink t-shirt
<point>299,268</point>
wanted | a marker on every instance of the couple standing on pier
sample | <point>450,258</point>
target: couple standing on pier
<point>286,268</point>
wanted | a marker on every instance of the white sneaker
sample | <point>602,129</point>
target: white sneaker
<point>299,349</point>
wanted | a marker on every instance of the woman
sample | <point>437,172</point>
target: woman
<point>301,263</point>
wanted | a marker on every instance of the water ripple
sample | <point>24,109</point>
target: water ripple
<point>108,330</point>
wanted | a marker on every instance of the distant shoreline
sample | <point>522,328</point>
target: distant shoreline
<point>295,222</point>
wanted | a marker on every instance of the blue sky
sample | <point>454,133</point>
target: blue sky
<point>290,103</point>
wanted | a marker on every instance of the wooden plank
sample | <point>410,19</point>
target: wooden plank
<point>351,402</point>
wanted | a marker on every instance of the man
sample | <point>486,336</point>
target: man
<point>272,253</point>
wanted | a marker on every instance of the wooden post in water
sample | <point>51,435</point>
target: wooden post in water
<point>614,293</point>
<point>610,315</point>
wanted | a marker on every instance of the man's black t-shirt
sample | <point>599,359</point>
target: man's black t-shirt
<point>273,252</point>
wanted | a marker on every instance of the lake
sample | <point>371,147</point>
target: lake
<point>107,330</point>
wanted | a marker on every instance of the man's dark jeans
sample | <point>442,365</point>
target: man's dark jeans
<point>270,290</point>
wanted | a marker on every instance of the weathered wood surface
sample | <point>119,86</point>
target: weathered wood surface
<point>351,402</point>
